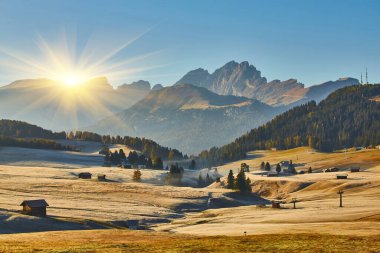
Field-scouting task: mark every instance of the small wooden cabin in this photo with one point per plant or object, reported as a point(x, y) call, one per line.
point(85, 175)
point(355, 169)
point(101, 177)
point(34, 207)
point(276, 204)
point(341, 176)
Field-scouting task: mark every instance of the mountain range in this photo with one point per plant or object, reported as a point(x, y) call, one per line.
point(243, 79)
point(188, 118)
point(54, 106)
point(198, 112)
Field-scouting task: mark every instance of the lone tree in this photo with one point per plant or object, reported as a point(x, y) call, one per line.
point(291, 168)
point(200, 180)
point(278, 168)
point(230, 180)
point(267, 166)
point(244, 167)
point(262, 166)
point(137, 176)
point(310, 170)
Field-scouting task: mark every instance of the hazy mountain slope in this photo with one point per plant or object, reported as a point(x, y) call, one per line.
point(243, 79)
point(188, 118)
point(52, 105)
point(347, 117)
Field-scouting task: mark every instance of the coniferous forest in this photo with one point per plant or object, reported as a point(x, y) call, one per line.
point(22, 134)
point(346, 118)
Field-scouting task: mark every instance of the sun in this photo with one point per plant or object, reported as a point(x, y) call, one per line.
point(72, 80)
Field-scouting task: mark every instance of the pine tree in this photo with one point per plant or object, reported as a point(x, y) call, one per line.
point(278, 168)
point(248, 183)
point(267, 166)
point(241, 183)
point(262, 166)
point(244, 167)
point(310, 170)
point(200, 180)
point(230, 180)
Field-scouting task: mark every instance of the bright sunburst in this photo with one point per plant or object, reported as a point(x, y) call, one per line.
point(71, 65)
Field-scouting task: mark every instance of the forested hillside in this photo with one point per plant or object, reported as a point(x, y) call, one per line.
point(147, 147)
point(19, 129)
point(346, 118)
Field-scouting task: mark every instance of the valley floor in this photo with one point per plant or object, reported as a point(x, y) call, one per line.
point(89, 215)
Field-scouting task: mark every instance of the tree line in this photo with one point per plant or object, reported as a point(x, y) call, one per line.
point(147, 147)
point(13, 131)
point(19, 129)
point(348, 117)
point(32, 143)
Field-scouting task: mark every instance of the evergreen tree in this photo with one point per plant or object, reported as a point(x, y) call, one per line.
point(262, 166)
point(244, 167)
point(291, 168)
point(241, 182)
point(230, 180)
point(267, 166)
point(157, 163)
point(200, 180)
point(310, 170)
point(278, 168)
point(248, 184)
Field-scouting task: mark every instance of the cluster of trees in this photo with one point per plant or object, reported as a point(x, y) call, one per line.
point(240, 183)
point(147, 147)
point(117, 157)
point(175, 174)
point(267, 167)
point(19, 129)
point(32, 143)
point(203, 182)
point(346, 118)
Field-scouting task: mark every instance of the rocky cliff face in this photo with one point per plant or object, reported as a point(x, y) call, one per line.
point(243, 79)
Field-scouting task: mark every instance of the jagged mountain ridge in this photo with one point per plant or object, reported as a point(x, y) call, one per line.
point(243, 79)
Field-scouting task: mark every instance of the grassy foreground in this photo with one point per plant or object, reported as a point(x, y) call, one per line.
point(132, 241)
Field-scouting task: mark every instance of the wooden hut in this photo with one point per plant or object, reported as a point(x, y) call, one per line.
point(101, 177)
point(341, 176)
point(355, 169)
point(276, 204)
point(34, 207)
point(85, 175)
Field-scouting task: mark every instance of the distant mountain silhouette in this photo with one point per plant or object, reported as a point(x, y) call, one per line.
point(188, 118)
point(54, 106)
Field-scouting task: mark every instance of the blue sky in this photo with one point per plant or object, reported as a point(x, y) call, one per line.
point(312, 41)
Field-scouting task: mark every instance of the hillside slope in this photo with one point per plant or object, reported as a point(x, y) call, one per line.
point(188, 118)
point(348, 117)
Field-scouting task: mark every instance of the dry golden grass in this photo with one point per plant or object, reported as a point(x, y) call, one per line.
point(139, 241)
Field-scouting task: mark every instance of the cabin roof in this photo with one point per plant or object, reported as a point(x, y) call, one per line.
point(35, 203)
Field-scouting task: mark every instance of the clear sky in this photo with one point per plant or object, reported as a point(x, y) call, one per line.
point(312, 41)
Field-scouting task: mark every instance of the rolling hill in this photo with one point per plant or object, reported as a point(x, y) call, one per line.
point(188, 118)
point(52, 105)
point(346, 118)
